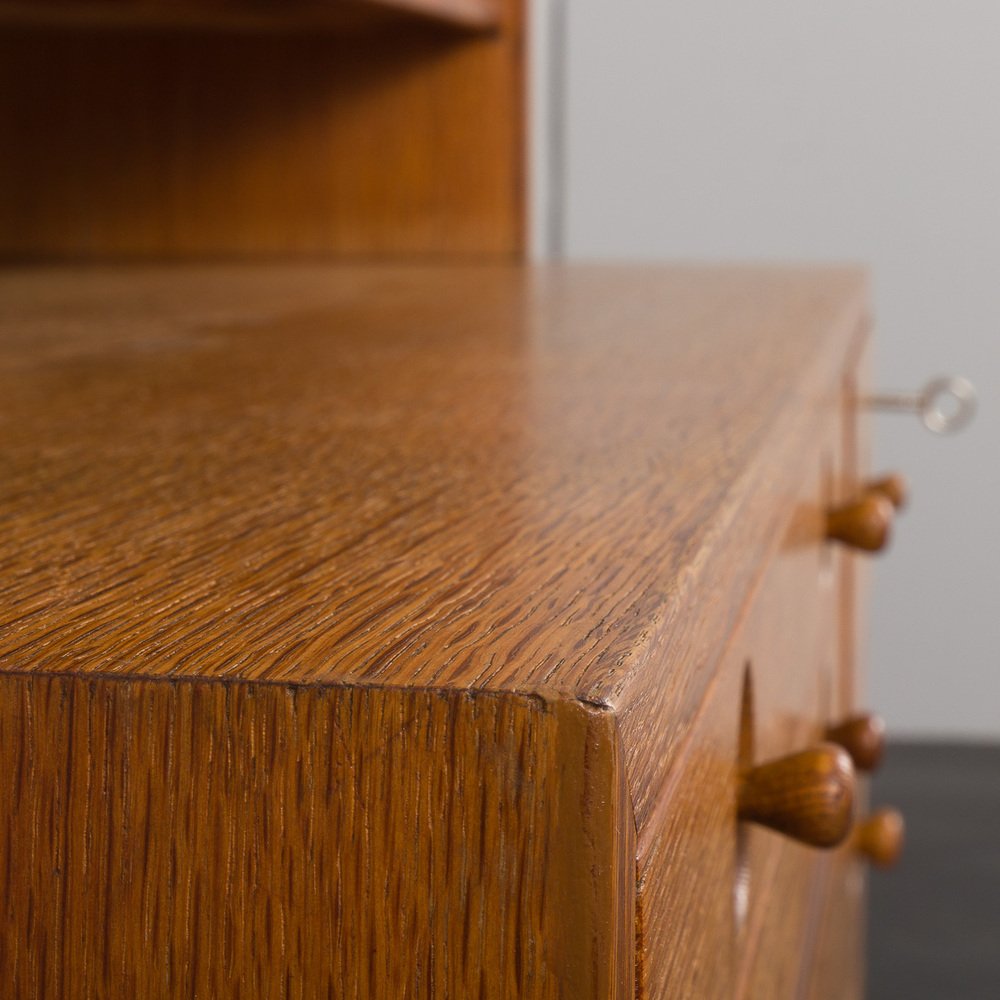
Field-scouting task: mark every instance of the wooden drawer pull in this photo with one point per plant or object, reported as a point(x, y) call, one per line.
point(880, 838)
point(893, 487)
point(808, 796)
point(863, 737)
point(865, 524)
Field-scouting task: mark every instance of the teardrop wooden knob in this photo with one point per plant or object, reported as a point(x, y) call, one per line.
point(863, 737)
point(893, 487)
point(865, 524)
point(880, 838)
point(808, 796)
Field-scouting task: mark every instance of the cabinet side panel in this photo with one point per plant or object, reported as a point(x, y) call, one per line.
point(835, 966)
point(168, 840)
point(854, 570)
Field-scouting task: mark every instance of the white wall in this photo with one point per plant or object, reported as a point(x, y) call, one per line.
point(799, 130)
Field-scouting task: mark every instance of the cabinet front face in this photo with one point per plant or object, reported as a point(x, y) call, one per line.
point(734, 909)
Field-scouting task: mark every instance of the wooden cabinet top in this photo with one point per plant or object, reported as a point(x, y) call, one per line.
point(483, 477)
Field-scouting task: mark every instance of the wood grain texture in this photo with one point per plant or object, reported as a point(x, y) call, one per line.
point(778, 953)
point(808, 795)
point(397, 137)
point(226, 840)
point(432, 494)
point(731, 940)
point(796, 641)
point(318, 460)
point(801, 907)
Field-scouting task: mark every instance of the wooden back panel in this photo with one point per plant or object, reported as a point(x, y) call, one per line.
point(384, 135)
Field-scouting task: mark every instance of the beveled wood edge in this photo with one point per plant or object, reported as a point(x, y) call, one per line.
point(807, 795)
point(818, 381)
point(593, 885)
point(858, 320)
point(548, 698)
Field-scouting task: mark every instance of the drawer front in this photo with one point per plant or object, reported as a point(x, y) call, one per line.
point(833, 962)
point(832, 965)
point(797, 892)
point(730, 909)
point(723, 907)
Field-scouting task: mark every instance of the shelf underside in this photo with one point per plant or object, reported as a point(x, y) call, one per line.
point(253, 15)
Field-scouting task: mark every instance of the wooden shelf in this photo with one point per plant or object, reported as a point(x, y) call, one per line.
point(253, 15)
point(316, 455)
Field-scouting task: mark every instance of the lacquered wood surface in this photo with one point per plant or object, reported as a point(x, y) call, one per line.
point(428, 493)
point(474, 479)
point(226, 841)
point(745, 936)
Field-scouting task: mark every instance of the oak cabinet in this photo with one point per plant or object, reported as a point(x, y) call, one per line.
point(383, 616)
point(415, 630)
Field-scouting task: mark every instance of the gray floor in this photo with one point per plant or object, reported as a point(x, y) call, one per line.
point(934, 924)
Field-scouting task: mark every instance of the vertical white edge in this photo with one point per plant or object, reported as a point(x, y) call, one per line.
point(545, 115)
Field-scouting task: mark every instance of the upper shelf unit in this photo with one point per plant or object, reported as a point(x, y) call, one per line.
point(393, 128)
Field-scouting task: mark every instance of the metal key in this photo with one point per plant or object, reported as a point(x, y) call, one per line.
point(945, 405)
